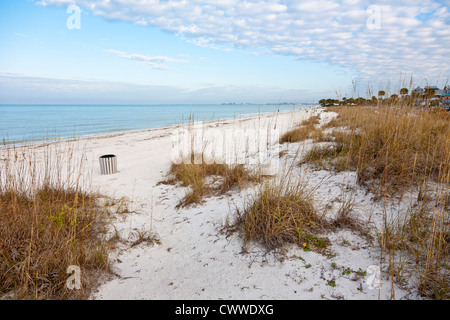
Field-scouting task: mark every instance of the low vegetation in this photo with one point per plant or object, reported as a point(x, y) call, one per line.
point(222, 178)
point(47, 223)
point(282, 214)
point(391, 149)
point(307, 130)
point(398, 151)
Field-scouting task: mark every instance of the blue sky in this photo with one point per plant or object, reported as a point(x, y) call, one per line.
point(177, 51)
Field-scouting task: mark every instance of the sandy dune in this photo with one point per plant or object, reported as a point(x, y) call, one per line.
point(194, 259)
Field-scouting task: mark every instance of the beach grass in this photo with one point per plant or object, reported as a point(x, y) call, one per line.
point(51, 220)
point(390, 148)
point(48, 223)
point(222, 178)
point(400, 151)
point(281, 214)
point(308, 129)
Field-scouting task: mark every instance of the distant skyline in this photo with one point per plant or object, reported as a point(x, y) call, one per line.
point(260, 51)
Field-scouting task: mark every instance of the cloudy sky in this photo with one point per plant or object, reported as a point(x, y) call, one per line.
point(178, 51)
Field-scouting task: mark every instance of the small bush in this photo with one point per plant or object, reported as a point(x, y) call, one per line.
point(279, 215)
point(307, 130)
point(193, 175)
point(393, 150)
point(45, 227)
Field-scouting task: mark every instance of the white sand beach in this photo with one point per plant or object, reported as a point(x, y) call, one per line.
point(195, 259)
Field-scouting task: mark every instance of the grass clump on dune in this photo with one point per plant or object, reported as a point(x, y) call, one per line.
point(45, 227)
point(306, 130)
point(195, 176)
point(280, 214)
point(397, 147)
point(395, 151)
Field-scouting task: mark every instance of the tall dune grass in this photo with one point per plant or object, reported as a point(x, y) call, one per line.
point(307, 130)
point(399, 150)
point(394, 148)
point(205, 175)
point(194, 176)
point(49, 220)
point(282, 213)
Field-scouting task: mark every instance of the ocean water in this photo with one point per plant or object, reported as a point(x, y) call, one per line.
point(37, 123)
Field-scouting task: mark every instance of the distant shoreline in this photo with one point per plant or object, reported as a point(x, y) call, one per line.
point(4, 143)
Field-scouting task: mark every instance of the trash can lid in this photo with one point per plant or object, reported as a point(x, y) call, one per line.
point(108, 156)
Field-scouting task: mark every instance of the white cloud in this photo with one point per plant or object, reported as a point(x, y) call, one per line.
point(21, 89)
point(22, 35)
point(414, 37)
point(155, 62)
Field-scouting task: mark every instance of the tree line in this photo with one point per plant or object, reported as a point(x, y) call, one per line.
point(403, 94)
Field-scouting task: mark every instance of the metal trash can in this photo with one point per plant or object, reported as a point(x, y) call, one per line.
point(108, 164)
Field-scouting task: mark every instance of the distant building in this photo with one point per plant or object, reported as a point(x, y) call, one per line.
point(445, 99)
point(419, 91)
point(437, 92)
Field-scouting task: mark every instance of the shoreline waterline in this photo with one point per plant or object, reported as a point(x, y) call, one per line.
point(6, 143)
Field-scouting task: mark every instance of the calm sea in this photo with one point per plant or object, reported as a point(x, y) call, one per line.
point(35, 123)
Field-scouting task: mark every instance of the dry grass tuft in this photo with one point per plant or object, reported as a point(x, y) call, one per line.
point(397, 150)
point(282, 214)
point(328, 156)
point(46, 226)
point(397, 147)
point(194, 175)
point(311, 121)
point(307, 130)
